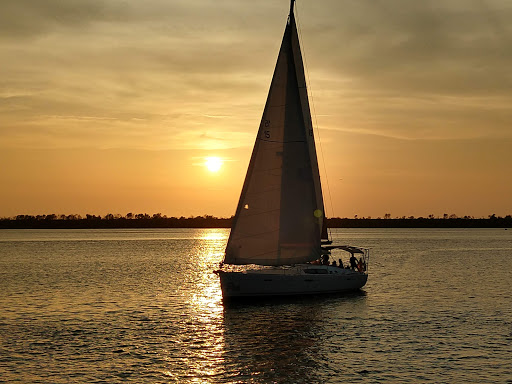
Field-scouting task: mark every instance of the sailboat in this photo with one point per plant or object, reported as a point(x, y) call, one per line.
point(279, 243)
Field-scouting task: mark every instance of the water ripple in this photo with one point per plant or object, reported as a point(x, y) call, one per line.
point(143, 306)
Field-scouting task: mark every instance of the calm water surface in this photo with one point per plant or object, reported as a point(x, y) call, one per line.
point(143, 306)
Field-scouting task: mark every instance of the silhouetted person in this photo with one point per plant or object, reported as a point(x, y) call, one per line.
point(353, 262)
point(325, 259)
point(340, 263)
point(334, 263)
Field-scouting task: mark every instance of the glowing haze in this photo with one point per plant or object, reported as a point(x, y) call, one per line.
point(115, 106)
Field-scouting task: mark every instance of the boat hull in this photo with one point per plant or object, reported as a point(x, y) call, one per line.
point(301, 281)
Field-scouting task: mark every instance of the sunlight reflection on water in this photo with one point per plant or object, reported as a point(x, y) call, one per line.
point(207, 296)
point(144, 306)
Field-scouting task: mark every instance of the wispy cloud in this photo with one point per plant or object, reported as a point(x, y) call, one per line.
point(404, 69)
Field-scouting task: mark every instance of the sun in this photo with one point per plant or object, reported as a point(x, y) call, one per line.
point(213, 164)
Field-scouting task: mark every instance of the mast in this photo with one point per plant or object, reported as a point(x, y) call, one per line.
point(291, 7)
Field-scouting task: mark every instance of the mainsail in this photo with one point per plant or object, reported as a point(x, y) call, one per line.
point(280, 216)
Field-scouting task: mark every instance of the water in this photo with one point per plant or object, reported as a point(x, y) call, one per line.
point(142, 306)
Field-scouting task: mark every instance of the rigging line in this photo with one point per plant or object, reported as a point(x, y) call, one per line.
point(310, 93)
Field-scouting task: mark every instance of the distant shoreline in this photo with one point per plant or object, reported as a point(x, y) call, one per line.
point(97, 222)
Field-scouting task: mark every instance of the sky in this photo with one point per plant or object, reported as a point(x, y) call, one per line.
point(113, 106)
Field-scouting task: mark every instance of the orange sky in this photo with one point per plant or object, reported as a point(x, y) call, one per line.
point(108, 106)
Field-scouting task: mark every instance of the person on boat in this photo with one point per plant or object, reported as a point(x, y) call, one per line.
point(353, 262)
point(325, 259)
point(334, 263)
point(340, 263)
point(360, 265)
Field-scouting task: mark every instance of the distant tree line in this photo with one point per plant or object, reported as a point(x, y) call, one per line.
point(157, 220)
point(139, 220)
point(451, 221)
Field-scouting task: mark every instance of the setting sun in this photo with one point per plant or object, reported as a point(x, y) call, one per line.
point(213, 163)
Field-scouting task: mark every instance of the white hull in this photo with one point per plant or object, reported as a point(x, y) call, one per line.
point(300, 280)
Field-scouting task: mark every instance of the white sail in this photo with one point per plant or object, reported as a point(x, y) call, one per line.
point(279, 217)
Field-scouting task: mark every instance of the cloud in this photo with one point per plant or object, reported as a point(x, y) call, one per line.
point(27, 18)
point(400, 69)
point(32, 18)
point(423, 46)
point(413, 70)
